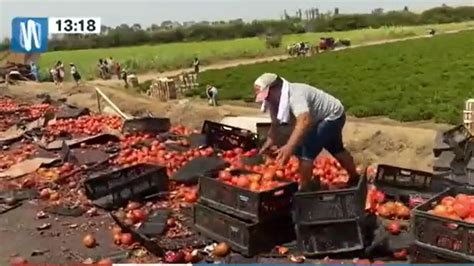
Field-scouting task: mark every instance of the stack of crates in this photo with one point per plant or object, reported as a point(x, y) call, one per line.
point(454, 159)
point(330, 222)
point(468, 115)
point(440, 239)
point(250, 222)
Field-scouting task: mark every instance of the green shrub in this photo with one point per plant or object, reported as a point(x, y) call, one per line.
point(273, 41)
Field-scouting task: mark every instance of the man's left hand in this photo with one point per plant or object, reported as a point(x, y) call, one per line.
point(284, 153)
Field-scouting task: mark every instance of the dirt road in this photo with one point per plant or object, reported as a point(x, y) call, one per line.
point(250, 61)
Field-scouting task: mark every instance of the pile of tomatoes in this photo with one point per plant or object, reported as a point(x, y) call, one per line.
point(460, 207)
point(14, 156)
point(31, 111)
point(328, 169)
point(252, 181)
point(12, 113)
point(142, 148)
point(37, 110)
point(331, 173)
point(7, 105)
point(182, 130)
point(85, 125)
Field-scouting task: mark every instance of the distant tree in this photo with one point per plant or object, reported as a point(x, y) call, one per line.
point(377, 11)
point(166, 24)
point(273, 41)
point(136, 27)
point(405, 9)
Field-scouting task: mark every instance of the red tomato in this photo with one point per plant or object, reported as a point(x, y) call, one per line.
point(462, 209)
point(138, 215)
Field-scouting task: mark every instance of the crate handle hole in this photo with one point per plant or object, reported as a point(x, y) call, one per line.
point(279, 192)
point(405, 172)
point(451, 226)
point(327, 197)
point(243, 198)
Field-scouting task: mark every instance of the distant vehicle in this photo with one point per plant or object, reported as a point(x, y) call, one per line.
point(299, 49)
point(330, 43)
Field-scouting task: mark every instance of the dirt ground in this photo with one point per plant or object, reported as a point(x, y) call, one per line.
point(371, 140)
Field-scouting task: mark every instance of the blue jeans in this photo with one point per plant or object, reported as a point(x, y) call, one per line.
point(325, 134)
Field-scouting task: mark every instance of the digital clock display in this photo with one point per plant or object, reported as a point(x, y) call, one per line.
point(74, 25)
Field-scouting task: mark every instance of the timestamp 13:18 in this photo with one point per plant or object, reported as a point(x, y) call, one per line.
point(74, 25)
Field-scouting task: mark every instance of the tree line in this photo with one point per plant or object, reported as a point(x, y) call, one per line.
point(311, 21)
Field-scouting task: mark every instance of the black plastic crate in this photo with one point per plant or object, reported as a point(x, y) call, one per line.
point(459, 139)
point(455, 180)
point(403, 178)
point(127, 182)
point(440, 145)
point(284, 132)
point(248, 238)
point(152, 125)
point(331, 237)
point(246, 204)
point(444, 162)
point(327, 205)
point(425, 254)
point(454, 237)
point(402, 183)
point(457, 135)
point(225, 137)
point(470, 172)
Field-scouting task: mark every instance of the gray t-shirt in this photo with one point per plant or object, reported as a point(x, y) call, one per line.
point(321, 105)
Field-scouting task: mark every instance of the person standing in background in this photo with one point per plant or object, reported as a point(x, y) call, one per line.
point(211, 92)
point(34, 71)
point(75, 74)
point(196, 65)
point(111, 65)
point(60, 72)
point(118, 69)
point(100, 67)
point(124, 76)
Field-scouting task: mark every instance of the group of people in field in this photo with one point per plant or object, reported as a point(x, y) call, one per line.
point(109, 67)
point(57, 73)
point(106, 69)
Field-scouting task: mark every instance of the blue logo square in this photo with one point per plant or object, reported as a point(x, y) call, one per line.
point(29, 35)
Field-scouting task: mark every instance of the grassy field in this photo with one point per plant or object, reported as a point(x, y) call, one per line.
point(178, 55)
point(411, 80)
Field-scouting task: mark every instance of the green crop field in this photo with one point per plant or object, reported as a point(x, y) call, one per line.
point(178, 55)
point(420, 79)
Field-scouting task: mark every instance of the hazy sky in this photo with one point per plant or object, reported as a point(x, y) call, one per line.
point(146, 12)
